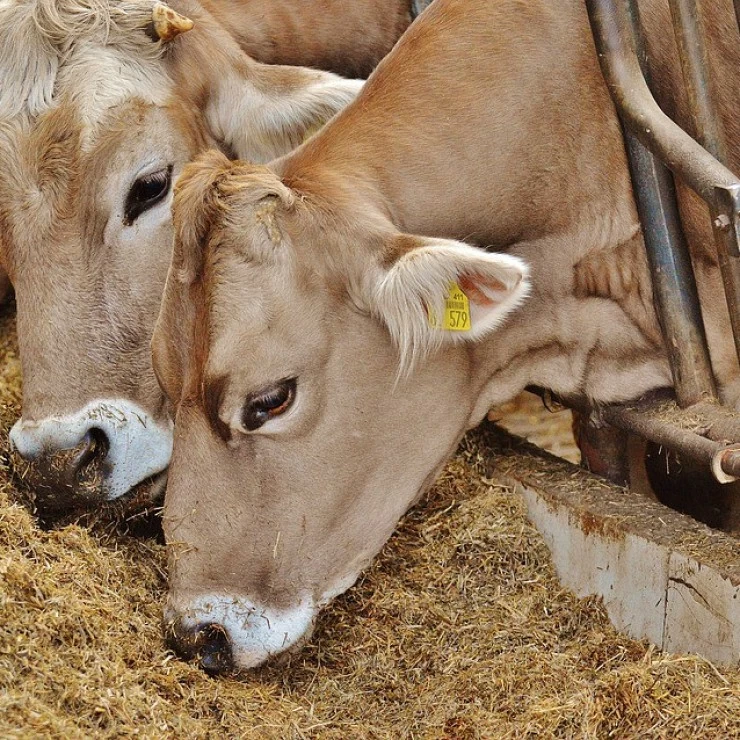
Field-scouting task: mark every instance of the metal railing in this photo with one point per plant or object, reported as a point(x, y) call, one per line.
point(698, 426)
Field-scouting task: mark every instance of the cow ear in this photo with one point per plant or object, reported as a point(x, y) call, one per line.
point(256, 112)
point(266, 111)
point(435, 291)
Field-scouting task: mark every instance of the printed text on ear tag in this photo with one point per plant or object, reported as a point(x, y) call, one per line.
point(456, 314)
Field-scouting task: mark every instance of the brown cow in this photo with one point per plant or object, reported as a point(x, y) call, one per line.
point(101, 104)
point(325, 359)
point(348, 38)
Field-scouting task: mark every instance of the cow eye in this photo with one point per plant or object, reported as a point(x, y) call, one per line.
point(268, 403)
point(146, 192)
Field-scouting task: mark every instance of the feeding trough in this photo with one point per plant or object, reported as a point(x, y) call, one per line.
point(662, 576)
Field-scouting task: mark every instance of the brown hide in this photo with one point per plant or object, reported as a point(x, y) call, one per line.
point(349, 38)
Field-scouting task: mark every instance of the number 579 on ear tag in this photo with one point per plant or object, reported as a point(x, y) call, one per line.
point(456, 313)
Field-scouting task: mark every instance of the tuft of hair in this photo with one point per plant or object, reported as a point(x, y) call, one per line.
point(420, 280)
point(195, 197)
point(37, 37)
point(209, 189)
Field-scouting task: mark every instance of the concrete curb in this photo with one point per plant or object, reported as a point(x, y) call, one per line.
point(662, 576)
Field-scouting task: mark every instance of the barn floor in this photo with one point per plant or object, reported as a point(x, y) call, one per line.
point(459, 630)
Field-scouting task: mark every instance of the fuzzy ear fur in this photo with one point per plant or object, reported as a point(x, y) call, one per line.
point(267, 111)
point(255, 112)
point(415, 287)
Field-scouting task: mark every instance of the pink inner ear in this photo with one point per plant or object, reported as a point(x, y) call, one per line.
point(469, 285)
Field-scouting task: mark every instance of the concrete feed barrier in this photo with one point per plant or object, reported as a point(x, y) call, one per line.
point(662, 576)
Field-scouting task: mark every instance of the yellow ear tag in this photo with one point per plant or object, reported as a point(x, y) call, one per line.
point(456, 315)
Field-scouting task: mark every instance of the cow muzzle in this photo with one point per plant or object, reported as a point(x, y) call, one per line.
point(227, 634)
point(86, 460)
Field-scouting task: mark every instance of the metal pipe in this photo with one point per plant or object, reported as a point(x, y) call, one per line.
point(418, 7)
point(674, 287)
point(693, 52)
point(676, 298)
point(723, 460)
point(694, 56)
point(610, 21)
point(705, 433)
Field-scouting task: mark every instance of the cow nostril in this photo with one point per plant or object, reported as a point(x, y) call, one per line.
point(214, 649)
point(65, 479)
point(85, 453)
point(93, 449)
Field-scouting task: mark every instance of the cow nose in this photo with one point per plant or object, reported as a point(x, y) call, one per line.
point(231, 632)
point(95, 455)
point(209, 643)
point(66, 479)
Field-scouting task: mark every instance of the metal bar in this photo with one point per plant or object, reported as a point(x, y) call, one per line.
point(674, 287)
point(726, 227)
point(693, 52)
point(722, 459)
point(676, 298)
point(705, 433)
point(610, 21)
point(418, 7)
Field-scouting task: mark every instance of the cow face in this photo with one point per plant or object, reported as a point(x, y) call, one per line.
point(101, 105)
point(314, 400)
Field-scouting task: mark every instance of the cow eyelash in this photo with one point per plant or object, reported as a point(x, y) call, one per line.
point(268, 404)
point(146, 192)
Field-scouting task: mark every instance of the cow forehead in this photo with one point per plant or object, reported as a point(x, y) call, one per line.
point(94, 48)
point(92, 83)
point(97, 80)
point(262, 320)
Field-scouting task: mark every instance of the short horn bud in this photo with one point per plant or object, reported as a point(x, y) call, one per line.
point(168, 24)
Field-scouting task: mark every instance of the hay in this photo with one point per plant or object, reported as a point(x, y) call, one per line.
point(459, 630)
point(549, 427)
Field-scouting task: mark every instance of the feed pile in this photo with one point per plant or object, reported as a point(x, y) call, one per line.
point(458, 630)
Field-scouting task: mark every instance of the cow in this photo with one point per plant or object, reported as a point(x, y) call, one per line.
point(348, 38)
point(330, 326)
point(101, 104)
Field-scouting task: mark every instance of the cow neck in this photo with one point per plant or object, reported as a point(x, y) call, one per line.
point(371, 173)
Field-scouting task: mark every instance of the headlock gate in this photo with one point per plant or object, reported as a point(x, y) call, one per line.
point(661, 575)
point(695, 425)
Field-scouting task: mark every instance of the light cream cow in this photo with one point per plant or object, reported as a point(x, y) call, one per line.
point(327, 338)
point(101, 104)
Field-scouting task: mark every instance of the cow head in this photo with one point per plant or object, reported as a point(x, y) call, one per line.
point(101, 104)
point(315, 401)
